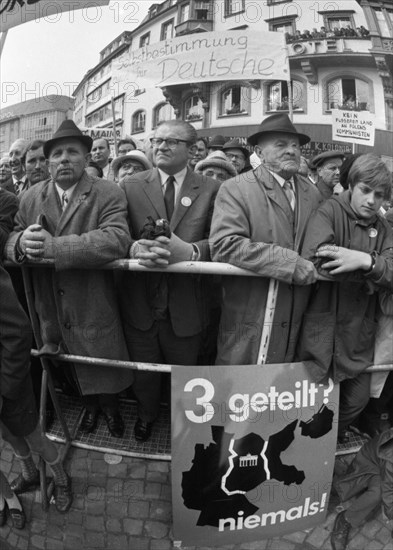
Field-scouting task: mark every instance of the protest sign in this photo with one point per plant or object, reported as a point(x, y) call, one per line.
point(16, 12)
point(207, 57)
point(353, 126)
point(252, 452)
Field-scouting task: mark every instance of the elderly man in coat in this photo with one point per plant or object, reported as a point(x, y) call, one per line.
point(80, 223)
point(258, 224)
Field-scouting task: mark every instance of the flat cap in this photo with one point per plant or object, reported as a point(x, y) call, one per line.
point(321, 158)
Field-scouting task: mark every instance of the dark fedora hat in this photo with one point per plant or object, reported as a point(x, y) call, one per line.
point(277, 123)
point(236, 144)
point(67, 129)
point(217, 141)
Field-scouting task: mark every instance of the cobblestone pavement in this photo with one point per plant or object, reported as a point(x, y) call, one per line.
point(128, 506)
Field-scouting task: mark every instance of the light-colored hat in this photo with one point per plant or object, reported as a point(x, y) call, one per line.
point(218, 159)
point(131, 155)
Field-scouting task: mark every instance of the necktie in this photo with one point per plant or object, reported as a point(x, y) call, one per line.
point(169, 196)
point(64, 200)
point(17, 187)
point(288, 190)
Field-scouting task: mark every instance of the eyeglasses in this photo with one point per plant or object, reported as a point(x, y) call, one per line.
point(170, 142)
point(234, 156)
point(131, 167)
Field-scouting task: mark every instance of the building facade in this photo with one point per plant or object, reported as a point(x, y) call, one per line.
point(340, 57)
point(33, 119)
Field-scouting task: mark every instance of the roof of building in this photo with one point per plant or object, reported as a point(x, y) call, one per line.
point(40, 104)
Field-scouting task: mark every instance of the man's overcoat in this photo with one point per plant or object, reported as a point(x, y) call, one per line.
point(254, 228)
point(77, 306)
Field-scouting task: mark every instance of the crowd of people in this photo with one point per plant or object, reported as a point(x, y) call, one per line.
point(321, 227)
point(323, 32)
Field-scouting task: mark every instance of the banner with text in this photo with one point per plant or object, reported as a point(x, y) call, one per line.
point(206, 57)
point(252, 452)
point(17, 12)
point(353, 126)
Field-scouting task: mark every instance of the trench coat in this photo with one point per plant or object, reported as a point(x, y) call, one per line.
point(339, 327)
point(253, 227)
point(77, 307)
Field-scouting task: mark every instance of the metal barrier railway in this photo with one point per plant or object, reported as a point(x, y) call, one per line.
point(196, 268)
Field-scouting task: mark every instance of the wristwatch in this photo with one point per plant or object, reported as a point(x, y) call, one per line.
point(195, 254)
point(373, 255)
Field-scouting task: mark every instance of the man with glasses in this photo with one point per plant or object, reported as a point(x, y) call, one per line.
point(164, 314)
point(237, 155)
point(130, 163)
point(328, 173)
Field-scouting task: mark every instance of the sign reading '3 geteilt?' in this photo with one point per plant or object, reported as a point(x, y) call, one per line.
point(252, 452)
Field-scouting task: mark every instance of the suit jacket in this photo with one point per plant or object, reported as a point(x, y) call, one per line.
point(190, 221)
point(253, 227)
point(77, 307)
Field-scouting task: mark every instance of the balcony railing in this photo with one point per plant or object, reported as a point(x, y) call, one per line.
point(194, 25)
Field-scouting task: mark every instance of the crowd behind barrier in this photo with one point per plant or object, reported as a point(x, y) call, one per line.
point(162, 315)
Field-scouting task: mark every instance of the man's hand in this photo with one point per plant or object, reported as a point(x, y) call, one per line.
point(162, 251)
point(343, 260)
point(305, 272)
point(151, 253)
point(36, 243)
point(180, 251)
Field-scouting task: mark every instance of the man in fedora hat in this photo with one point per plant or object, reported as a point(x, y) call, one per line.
point(328, 166)
point(216, 143)
point(78, 222)
point(258, 223)
point(237, 155)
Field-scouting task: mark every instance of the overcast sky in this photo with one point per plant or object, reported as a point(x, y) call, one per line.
point(48, 57)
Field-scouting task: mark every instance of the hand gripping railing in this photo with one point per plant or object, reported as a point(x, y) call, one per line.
point(196, 268)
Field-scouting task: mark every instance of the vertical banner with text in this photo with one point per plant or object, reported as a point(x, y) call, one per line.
point(253, 452)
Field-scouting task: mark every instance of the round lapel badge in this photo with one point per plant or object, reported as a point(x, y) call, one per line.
point(372, 233)
point(186, 201)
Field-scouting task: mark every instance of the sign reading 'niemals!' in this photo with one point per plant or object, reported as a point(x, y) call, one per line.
point(206, 57)
point(252, 452)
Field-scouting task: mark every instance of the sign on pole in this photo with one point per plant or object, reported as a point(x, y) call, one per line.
point(17, 12)
point(353, 126)
point(252, 452)
point(206, 57)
